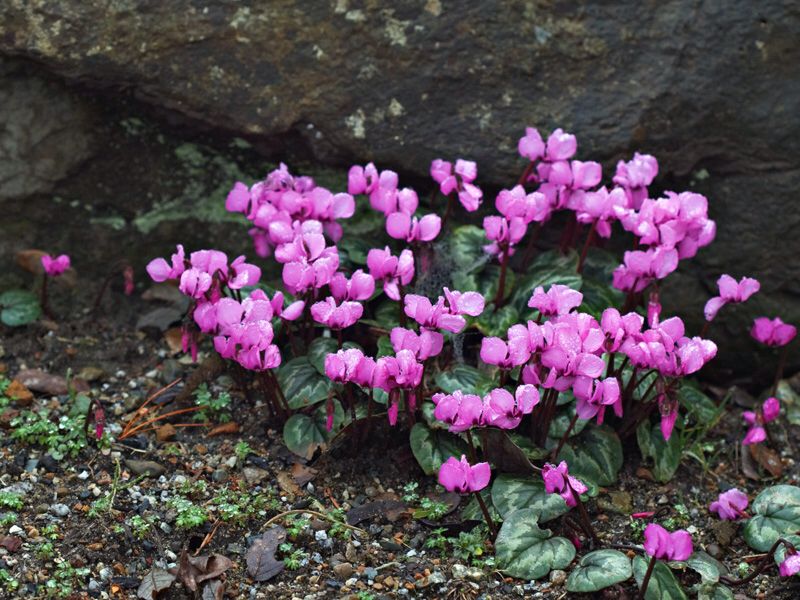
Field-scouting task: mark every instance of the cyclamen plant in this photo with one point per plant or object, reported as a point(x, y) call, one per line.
point(566, 355)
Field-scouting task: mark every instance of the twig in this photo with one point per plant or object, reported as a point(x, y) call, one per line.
point(209, 536)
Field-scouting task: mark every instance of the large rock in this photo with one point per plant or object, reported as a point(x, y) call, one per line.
point(710, 88)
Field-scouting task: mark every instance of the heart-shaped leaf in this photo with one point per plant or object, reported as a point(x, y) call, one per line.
point(707, 591)
point(707, 566)
point(304, 434)
point(526, 551)
point(19, 307)
point(560, 423)
point(511, 493)
point(666, 455)
point(662, 586)
point(431, 447)
point(466, 248)
point(594, 456)
point(496, 322)
point(776, 513)
point(302, 383)
point(465, 378)
point(260, 557)
point(598, 570)
point(697, 404)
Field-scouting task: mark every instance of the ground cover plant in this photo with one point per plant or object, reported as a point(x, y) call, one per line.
point(523, 374)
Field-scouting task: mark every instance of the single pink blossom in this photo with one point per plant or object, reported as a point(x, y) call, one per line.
point(54, 267)
point(730, 291)
point(594, 396)
point(160, 270)
point(495, 351)
point(635, 175)
point(506, 411)
point(558, 480)
point(773, 332)
point(460, 411)
point(790, 565)
point(336, 316)
point(660, 543)
point(402, 226)
point(195, 283)
point(394, 271)
point(424, 344)
point(360, 286)
point(462, 478)
point(730, 505)
point(531, 145)
point(559, 300)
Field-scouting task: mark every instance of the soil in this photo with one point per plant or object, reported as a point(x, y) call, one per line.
point(385, 557)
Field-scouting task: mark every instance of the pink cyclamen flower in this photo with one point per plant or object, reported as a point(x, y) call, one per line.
point(359, 287)
point(336, 316)
point(660, 543)
point(558, 480)
point(394, 271)
point(160, 270)
point(195, 283)
point(730, 505)
point(594, 396)
point(433, 316)
point(460, 411)
point(462, 478)
point(506, 411)
point(559, 300)
point(459, 180)
point(773, 332)
point(349, 366)
point(730, 291)
point(790, 565)
point(402, 226)
point(531, 145)
point(769, 411)
point(55, 266)
point(495, 351)
point(635, 175)
point(424, 344)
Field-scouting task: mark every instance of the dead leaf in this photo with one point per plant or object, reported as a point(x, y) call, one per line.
point(11, 543)
point(31, 260)
point(17, 391)
point(174, 338)
point(214, 590)
point(302, 474)
point(46, 383)
point(645, 473)
point(391, 509)
point(225, 428)
point(288, 485)
point(197, 569)
point(261, 563)
point(155, 582)
point(165, 432)
point(748, 466)
point(767, 458)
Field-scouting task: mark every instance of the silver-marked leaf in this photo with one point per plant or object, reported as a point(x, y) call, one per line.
point(598, 570)
point(472, 511)
point(709, 591)
point(302, 383)
point(432, 447)
point(666, 455)
point(776, 513)
point(495, 323)
point(780, 551)
point(662, 586)
point(561, 421)
point(594, 456)
point(511, 493)
point(466, 248)
point(707, 566)
point(304, 434)
point(465, 378)
point(697, 404)
point(526, 551)
point(546, 269)
point(19, 307)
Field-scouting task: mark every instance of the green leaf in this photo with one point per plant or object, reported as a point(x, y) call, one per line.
point(466, 248)
point(302, 383)
point(707, 566)
point(599, 296)
point(357, 248)
point(465, 378)
point(363, 221)
point(776, 513)
point(666, 455)
point(496, 322)
point(598, 570)
point(387, 315)
point(790, 400)
point(432, 447)
point(304, 434)
point(385, 347)
point(662, 586)
point(526, 551)
point(488, 280)
point(714, 592)
point(780, 552)
point(594, 456)
point(548, 268)
point(510, 493)
point(19, 307)
point(697, 404)
point(561, 421)
point(472, 511)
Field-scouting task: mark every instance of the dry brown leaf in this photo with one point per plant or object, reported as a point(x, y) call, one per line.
point(165, 432)
point(288, 485)
point(767, 458)
point(17, 391)
point(154, 582)
point(31, 260)
point(11, 543)
point(174, 338)
point(302, 474)
point(261, 563)
point(225, 428)
point(197, 569)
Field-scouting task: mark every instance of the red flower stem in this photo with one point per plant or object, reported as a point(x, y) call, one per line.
point(292, 341)
point(534, 237)
point(779, 371)
point(448, 210)
point(473, 457)
point(501, 283)
point(647, 575)
point(610, 367)
point(486, 515)
point(339, 339)
point(584, 516)
point(587, 243)
point(43, 298)
point(278, 388)
point(704, 330)
point(402, 304)
point(565, 437)
point(525, 174)
point(766, 560)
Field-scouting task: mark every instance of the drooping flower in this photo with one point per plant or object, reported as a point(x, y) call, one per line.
point(394, 271)
point(424, 344)
point(595, 395)
point(730, 291)
point(773, 332)
point(195, 283)
point(769, 411)
point(635, 175)
point(558, 480)
point(790, 565)
point(441, 315)
point(54, 267)
point(495, 351)
point(350, 365)
point(730, 505)
point(360, 286)
point(660, 543)
point(462, 478)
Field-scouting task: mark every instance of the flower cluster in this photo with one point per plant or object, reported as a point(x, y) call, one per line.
point(499, 408)
point(460, 180)
point(757, 420)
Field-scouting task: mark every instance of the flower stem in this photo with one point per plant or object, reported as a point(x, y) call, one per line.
point(43, 298)
point(473, 457)
point(587, 522)
point(564, 437)
point(589, 240)
point(486, 515)
point(448, 210)
point(402, 304)
point(766, 561)
point(647, 576)
point(779, 371)
point(501, 283)
point(524, 177)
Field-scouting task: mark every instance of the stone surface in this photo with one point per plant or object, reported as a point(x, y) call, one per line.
point(712, 89)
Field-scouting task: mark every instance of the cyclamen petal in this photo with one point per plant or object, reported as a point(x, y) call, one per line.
point(659, 543)
point(730, 505)
point(462, 478)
